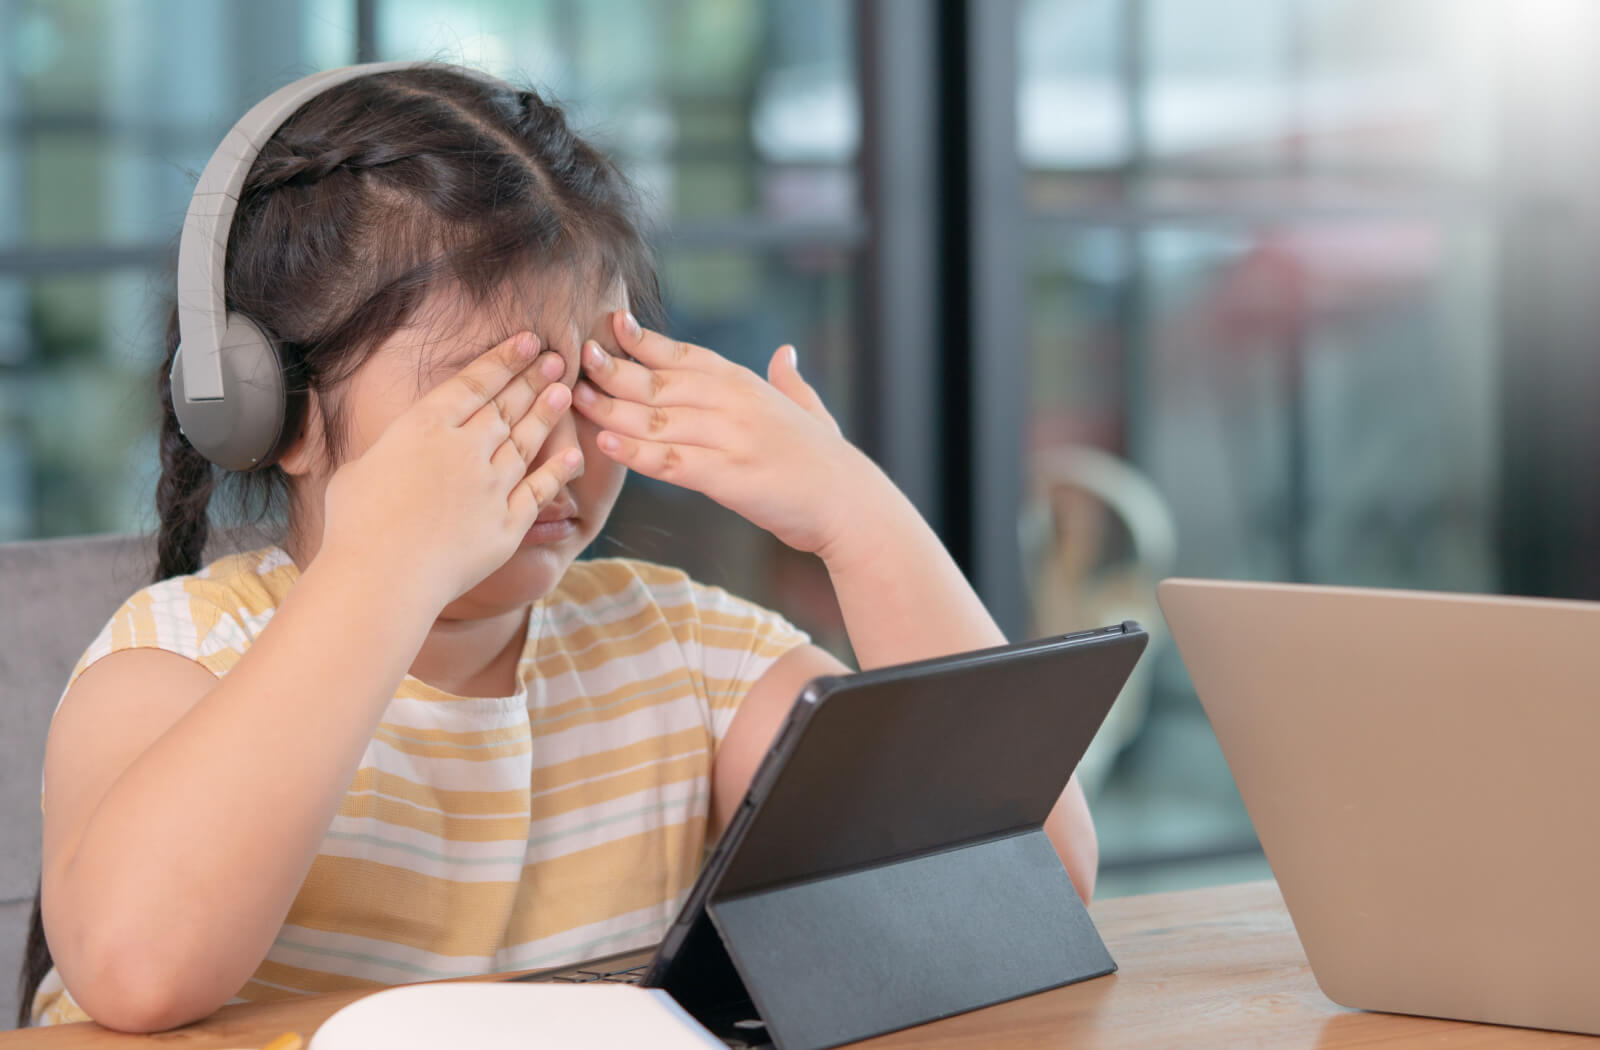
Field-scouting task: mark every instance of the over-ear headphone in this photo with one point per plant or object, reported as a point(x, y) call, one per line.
point(228, 386)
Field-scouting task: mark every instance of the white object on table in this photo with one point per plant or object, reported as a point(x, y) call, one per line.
point(490, 1016)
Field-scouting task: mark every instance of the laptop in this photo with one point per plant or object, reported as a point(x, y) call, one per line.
point(888, 864)
point(1421, 770)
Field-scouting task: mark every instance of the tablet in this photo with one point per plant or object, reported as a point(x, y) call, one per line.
point(892, 838)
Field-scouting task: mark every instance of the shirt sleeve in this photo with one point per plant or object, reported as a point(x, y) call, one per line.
point(728, 643)
point(180, 616)
point(738, 642)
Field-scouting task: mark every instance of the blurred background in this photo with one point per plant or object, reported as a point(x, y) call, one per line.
point(1276, 289)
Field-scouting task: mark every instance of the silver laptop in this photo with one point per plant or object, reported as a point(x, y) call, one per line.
point(1423, 771)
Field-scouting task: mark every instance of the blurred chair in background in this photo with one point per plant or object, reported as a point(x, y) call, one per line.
point(1096, 537)
point(55, 596)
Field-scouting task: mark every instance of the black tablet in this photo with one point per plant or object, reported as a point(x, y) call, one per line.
point(888, 864)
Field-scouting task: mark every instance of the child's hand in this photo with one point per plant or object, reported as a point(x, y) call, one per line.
point(445, 493)
point(767, 450)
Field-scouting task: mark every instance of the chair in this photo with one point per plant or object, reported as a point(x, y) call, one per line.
point(1096, 536)
point(55, 595)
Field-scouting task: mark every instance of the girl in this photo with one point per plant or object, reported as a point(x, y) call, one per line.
point(415, 738)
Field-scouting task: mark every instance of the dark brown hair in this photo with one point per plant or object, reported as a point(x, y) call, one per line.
point(373, 196)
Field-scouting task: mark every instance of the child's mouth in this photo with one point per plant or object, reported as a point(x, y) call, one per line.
point(551, 530)
point(557, 520)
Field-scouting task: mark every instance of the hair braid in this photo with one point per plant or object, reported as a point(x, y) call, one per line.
point(301, 164)
point(183, 494)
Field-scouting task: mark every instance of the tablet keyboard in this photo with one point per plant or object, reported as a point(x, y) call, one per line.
point(631, 975)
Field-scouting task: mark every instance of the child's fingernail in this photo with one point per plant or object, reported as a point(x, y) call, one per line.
point(794, 359)
point(608, 442)
point(595, 356)
point(631, 323)
point(573, 459)
point(527, 344)
point(552, 366)
point(583, 393)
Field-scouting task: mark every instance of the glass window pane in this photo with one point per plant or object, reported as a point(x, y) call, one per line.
point(1320, 401)
point(109, 110)
point(77, 402)
point(1219, 97)
point(1400, 86)
point(1072, 107)
point(763, 121)
point(1078, 328)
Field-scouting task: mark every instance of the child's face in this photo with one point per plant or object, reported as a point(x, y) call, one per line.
point(417, 358)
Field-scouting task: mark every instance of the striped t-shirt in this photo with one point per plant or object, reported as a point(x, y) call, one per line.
point(559, 823)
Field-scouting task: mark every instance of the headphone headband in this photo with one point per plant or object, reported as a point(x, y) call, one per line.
point(203, 249)
point(228, 388)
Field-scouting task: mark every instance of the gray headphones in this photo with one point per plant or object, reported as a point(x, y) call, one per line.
point(228, 387)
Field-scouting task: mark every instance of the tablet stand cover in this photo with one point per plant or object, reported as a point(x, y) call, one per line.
point(836, 959)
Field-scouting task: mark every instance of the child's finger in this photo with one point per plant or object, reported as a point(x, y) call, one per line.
point(529, 433)
point(535, 491)
point(622, 377)
point(632, 381)
point(519, 397)
point(656, 350)
point(783, 372)
point(680, 424)
point(683, 465)
point(457, 398)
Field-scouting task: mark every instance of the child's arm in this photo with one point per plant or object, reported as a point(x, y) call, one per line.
point(771, 452)
point(183, 811)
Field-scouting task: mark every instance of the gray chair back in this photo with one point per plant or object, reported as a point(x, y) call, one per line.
point(55, 595)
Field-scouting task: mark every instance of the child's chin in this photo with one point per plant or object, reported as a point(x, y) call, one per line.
point(532, 572)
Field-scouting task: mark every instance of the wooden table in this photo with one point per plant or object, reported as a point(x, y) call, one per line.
point(1204, 968)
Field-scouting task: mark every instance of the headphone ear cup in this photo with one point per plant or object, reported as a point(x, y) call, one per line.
point(245, 428)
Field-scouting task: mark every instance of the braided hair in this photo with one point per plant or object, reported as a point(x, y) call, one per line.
point(372, 196)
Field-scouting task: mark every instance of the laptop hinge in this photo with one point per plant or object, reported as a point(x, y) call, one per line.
point(840, 958)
